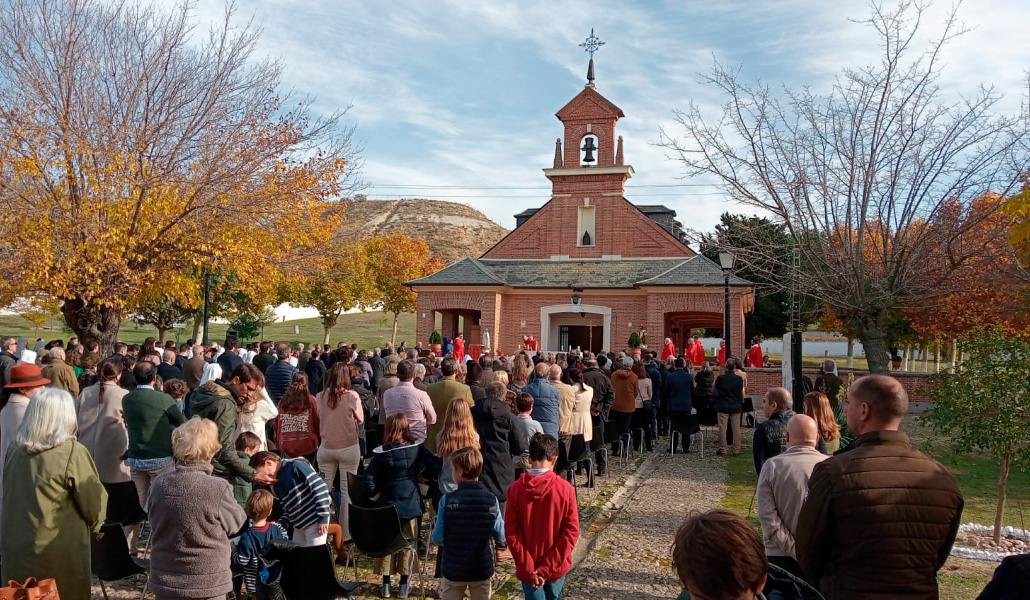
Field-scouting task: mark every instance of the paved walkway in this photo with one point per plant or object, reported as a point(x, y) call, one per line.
point(627, 553)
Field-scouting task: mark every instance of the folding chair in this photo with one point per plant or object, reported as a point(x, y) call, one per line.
point(110, 559)
point(308, 572)
point(376, 532)
point(579, 451)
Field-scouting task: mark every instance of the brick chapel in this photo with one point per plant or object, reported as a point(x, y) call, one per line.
point(587, 268)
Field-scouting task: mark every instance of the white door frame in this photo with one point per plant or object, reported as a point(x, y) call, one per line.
point(547, 311)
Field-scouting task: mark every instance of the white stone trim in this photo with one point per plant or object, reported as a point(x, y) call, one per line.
point(547, 311)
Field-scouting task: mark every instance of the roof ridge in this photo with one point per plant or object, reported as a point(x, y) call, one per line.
point(667, 271)
point(486, 270)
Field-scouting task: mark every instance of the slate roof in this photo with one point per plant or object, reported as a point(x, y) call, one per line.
point(623, 273)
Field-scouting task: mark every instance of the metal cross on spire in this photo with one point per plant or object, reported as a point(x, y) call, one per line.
point(591, 44)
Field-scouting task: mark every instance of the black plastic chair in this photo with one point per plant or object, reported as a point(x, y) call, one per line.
point(110, 559)
point(579, 451)
point(376, 533)
point(123, 504)
point(356, 492)
point(308, 572)
point(598, 444)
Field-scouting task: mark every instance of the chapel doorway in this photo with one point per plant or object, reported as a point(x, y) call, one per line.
point(585, 337)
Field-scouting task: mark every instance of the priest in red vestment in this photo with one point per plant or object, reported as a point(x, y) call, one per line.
point(697, 352)
point(459, 348)
point(721, 358)
point(754, 354)
point(531, 343)
point(669, 350)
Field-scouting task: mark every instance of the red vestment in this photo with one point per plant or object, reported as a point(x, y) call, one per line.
point(721, 359)
point(754, 357)
point(697, 353)
point(669, 350)
point(459, 350)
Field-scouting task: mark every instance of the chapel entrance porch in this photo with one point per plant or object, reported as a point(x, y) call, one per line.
point(678, 325)
point(451, 322)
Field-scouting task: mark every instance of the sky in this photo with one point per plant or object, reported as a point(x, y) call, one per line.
point(455, 99)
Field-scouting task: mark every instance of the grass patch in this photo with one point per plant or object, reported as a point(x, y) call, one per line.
point(741, 480)
point(367, 330)
point(977, 477)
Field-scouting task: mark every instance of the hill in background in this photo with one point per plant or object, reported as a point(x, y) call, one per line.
point(453, 231)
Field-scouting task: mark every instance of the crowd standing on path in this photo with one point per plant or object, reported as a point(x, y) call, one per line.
point(477, 441)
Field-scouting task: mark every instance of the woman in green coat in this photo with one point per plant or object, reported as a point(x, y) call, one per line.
point(53, 499)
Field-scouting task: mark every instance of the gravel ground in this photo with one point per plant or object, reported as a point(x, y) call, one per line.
point(626, 553)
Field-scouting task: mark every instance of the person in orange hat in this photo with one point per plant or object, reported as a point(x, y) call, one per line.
point(24, 382)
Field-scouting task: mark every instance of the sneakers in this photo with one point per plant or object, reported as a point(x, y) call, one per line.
point(403, 590)
point(384, 590)
point(721, 452)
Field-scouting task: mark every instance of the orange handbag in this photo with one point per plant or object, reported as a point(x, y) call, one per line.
point(30, 590)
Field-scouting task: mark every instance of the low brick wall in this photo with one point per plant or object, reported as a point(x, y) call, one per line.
point(759, 380)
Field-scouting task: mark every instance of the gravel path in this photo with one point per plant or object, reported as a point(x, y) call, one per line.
point(626, 553)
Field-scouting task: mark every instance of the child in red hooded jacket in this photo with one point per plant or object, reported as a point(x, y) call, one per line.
point(542, 544)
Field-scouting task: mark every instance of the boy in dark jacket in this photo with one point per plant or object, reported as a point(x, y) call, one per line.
point(541, 523)
point(247, 445)
point(259, 577)
point(466, 522)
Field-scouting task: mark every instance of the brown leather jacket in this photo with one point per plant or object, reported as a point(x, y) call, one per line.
point(879, 521)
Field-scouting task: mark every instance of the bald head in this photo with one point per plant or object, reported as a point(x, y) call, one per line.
point(802, 431)
point(541, 369)
point(876, 403)
point(555, 373)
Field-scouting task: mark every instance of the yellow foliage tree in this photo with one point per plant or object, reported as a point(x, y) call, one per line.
point(132, 155)
point(396, 259)
point(342, 282)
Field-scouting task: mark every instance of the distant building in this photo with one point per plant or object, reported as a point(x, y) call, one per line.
point(587, 268)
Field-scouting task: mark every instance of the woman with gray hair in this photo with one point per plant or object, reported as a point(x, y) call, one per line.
point(53, 499)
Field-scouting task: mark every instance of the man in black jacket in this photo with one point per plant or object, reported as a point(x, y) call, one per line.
point(264, 358)
point(771, 435)
point(7, 359)
point(604, 395)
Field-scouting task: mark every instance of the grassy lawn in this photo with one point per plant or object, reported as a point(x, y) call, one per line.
point(960, 579)
point(365, 329)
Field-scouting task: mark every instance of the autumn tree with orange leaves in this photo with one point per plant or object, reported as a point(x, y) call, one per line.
point(135, 151)
point(875, 181)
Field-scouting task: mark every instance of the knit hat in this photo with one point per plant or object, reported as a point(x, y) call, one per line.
point(26, 376)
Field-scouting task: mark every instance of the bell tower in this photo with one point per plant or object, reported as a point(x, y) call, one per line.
point(592, 152)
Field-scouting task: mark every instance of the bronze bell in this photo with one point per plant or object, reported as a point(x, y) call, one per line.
point(589, 148)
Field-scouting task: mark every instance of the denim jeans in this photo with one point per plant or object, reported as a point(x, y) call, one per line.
point(550, 591)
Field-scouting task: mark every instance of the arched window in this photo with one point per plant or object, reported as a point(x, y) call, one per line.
point(585, 231)
point(588, 150)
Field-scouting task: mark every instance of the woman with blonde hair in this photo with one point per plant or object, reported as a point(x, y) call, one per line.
point(519, 374)
point(817, 406)
point(459, 431)
point(192, 514)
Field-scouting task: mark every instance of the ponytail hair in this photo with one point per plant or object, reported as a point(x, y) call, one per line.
point(109, 370)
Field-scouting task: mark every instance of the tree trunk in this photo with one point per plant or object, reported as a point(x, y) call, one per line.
point(926, 358)
point(874, 342)
point(198, 327)
point(999, 513)
point(937, 357)
point(906, 353)
point(93, 323)
point(162, 333)
point(952, 352)
point(393, 338)
point(850, 362)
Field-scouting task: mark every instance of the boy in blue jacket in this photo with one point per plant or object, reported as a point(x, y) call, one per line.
point(467, 520)
point(259, 577)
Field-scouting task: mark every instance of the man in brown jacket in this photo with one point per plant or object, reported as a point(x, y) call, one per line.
point(624, 383)
point(881, 516)
point(60, 373)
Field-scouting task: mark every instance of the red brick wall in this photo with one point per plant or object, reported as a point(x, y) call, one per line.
point(759, 380)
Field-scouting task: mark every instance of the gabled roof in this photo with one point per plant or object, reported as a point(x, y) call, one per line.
point(575, 108)
point(467, 271)
point(594, 274)
point(696, 268)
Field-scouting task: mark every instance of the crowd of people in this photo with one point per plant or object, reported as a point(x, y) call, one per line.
point(228, 449)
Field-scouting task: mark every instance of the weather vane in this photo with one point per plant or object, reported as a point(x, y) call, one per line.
point(591, 44)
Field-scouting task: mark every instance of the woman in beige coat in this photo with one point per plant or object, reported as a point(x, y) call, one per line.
point(581, 424)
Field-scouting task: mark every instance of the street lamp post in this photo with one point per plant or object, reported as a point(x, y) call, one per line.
point(726, 260)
